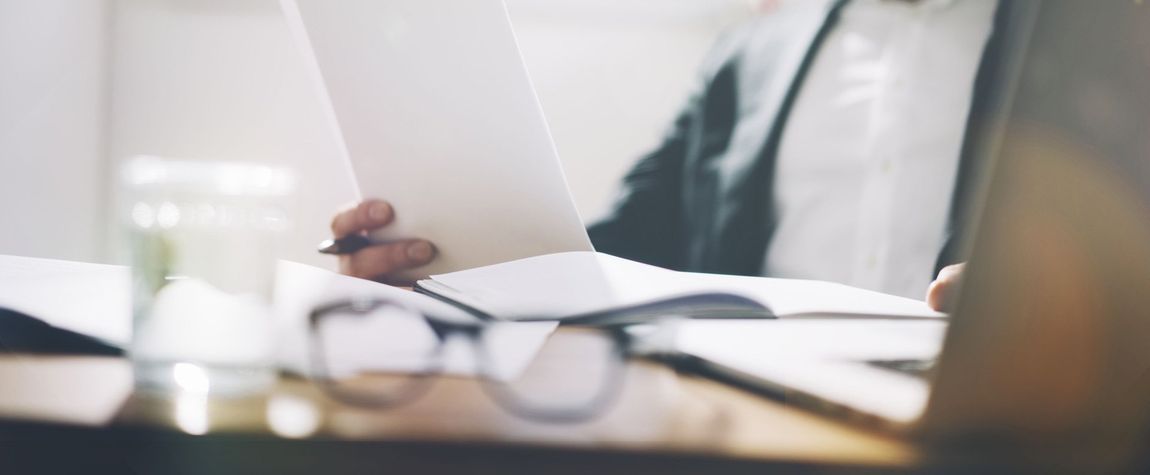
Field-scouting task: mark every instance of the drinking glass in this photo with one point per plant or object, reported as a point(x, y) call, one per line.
point(202, 237)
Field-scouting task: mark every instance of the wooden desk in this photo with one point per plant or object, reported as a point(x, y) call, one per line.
point(663, 421)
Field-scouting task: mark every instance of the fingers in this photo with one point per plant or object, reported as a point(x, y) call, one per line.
point(943, 291)
point(381, 261)
point(365, 216)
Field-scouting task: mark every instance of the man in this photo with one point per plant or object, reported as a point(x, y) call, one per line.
point(826, 142)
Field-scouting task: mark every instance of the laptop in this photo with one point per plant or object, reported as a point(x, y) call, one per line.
point(1050, 340)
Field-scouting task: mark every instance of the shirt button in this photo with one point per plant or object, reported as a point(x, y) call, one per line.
point(871, 262)
point(887, 166)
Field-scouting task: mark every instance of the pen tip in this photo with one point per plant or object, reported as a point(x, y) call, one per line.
point(328, 246)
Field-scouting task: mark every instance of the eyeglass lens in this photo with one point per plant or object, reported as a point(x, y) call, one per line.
point(378, 355)
point(575, 373)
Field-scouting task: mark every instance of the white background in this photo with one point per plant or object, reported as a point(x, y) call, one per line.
point(87, 83)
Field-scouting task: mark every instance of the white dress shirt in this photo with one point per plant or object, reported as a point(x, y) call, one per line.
point(869, 156)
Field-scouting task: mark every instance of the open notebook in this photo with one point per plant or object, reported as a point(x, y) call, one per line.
point(591, 287)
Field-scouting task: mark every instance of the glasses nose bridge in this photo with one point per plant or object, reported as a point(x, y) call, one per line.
point(445, 329)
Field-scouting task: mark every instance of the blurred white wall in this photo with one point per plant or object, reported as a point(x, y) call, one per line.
point(220, 79)
point(52, 109)
point(611, 74)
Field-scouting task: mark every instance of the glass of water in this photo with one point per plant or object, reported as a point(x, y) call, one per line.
point(202, 237)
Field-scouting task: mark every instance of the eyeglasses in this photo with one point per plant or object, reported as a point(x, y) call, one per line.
point(382, 353)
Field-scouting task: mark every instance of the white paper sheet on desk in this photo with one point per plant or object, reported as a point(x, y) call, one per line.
point(95, 299)
point(437, 114)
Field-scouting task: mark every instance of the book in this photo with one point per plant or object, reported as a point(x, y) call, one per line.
point(596, 288)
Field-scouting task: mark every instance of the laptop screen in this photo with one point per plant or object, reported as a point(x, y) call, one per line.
point(1050, 332)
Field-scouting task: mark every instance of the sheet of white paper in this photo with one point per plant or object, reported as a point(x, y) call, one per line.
point(438, 115)
point(93, 299)
point(44, 389)
point(822, 357)
point(300, 288)
point(558, 285)
point(575, 283)
point(751, 341)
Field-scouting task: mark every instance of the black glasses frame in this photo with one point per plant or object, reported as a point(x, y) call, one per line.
point(472, 331)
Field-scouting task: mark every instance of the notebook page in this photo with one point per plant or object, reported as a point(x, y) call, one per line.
point(572, 284)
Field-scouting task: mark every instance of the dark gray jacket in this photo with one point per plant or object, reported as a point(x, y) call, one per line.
point(702, 201)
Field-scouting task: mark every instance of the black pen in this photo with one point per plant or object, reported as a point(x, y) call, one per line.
point(345, 245)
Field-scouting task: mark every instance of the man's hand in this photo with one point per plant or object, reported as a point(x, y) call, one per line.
point(944, 290)
point(381, 261)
